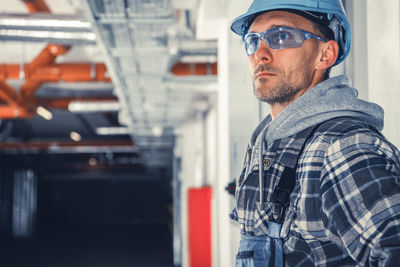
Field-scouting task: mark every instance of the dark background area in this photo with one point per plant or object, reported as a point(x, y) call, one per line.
point(103, 215)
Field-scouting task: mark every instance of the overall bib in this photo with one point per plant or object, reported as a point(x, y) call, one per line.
point(267, 251)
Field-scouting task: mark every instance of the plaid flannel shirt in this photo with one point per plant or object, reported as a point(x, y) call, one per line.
point(345, 207)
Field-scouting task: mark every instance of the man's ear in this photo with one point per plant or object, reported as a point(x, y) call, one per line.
point(328, 55)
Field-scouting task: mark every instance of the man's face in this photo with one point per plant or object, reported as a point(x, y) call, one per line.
point(279, 76)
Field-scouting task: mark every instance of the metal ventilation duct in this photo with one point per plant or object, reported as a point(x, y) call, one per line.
point(61, 29)
point(142, 40)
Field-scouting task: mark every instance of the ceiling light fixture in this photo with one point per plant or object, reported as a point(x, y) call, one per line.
point(75, 136)
point(44, 113)
point(157, 131)
point(92, 161)
point(94, 106)
point(112, 130)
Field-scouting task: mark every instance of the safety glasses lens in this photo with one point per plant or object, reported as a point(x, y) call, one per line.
point(252, 42)
point(276, 38)
point(284, 38)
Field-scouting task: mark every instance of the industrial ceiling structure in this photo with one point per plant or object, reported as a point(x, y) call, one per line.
point(101, 77)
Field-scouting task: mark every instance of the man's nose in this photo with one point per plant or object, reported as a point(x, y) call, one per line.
point(263, 53)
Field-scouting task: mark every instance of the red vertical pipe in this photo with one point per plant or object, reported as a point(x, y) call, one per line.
point(199, 226)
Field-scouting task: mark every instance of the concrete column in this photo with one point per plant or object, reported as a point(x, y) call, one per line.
point(383, 39)
point(237, 116)
point(356, 64)
point(237, 113)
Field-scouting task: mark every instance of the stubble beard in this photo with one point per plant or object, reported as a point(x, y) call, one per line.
point(285, 89)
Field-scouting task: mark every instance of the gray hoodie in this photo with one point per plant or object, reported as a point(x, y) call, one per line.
point(327, 100)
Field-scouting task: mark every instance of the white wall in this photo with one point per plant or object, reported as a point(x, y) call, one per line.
point(383, 30)
point(357, 61)
point(374, 61)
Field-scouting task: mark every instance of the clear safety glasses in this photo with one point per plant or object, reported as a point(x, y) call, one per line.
point(278, 38)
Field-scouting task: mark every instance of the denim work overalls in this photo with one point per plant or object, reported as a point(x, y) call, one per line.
point(267, 251)
point(261, 251)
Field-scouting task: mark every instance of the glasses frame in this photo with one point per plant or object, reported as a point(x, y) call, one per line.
point(263, 35)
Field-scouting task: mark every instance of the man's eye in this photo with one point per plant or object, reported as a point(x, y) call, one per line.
point(283, 36)
point(252, 39)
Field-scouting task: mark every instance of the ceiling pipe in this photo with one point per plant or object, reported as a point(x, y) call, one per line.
point(183, 69)
point(60, 37)
point(65, 102)
point(46, 27)
point(46, 57)
point(42, 69)
point(12, 112)
point(39, 71)
point(7, 93)
point(25, 96)
point(23, 104)
point(44, 22)
point(67, 72)
point(10, 71)
point(36, 6)
point(71, 72)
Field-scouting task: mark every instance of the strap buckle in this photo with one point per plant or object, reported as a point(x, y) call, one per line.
point(280, 201)
point(278, 211)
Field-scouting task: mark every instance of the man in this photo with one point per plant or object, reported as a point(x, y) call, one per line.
point(320, 185)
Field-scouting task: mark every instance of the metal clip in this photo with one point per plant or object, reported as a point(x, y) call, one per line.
point(277, 212)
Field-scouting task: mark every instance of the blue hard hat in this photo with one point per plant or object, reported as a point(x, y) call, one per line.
point(333, 9)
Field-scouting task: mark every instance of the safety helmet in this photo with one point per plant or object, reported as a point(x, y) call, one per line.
point(333, 9)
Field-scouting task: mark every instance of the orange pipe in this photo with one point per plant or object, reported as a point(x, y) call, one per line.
point(27, 91)
point(101, 73)
point(68, 72)
point(42, 69)
point(64, 102)
point(46, 57)
point(71, 72)
point(7, 93)
point(36, 6)
point(195, 69)
point(9, 71)
point(12, 112)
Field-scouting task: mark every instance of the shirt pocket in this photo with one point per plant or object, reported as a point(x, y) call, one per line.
point(251, 254)
point(248, 259)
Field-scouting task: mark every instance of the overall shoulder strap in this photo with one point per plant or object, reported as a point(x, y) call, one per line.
point(281, 195)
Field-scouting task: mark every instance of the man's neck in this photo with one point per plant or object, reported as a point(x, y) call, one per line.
point(277, 108)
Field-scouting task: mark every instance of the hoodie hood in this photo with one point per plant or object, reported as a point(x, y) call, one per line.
point(329, 99)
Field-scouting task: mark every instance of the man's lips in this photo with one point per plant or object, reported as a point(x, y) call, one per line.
point(264, 74)
point(265, 71)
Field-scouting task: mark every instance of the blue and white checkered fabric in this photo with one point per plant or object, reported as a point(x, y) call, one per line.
point(345, 207)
